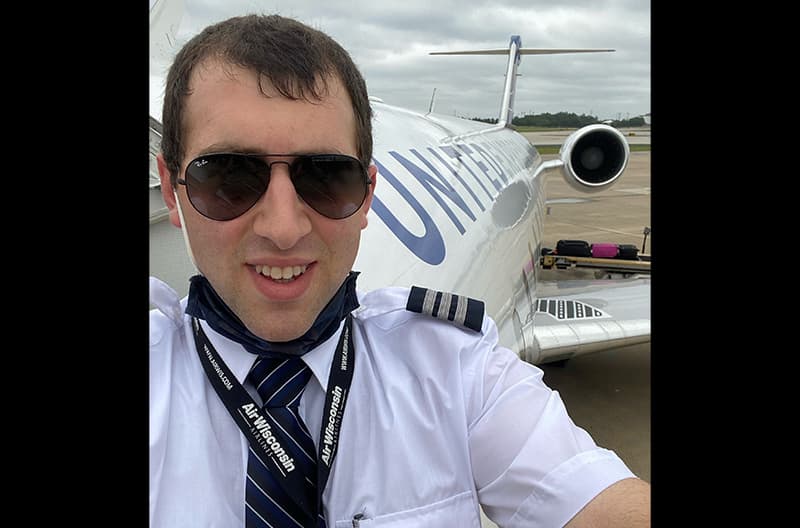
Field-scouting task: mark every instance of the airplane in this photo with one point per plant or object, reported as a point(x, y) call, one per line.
point(460, 208)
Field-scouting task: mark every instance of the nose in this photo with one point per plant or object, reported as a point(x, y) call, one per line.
point(280, 214)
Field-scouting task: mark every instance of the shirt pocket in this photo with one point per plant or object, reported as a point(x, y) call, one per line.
point(458, 511)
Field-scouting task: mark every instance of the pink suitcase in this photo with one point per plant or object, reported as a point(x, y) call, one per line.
point(605, 250)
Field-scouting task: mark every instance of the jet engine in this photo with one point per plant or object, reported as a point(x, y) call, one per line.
point(594, 157)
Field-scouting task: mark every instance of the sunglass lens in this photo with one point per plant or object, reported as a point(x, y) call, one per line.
point(224, 186)
point(334, 186)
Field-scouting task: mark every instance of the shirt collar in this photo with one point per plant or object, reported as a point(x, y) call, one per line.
point(320, 358)
point(240, 361)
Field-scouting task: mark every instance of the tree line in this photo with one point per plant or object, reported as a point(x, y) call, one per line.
point(563, 120)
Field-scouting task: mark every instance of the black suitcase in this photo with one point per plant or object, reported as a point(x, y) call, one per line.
point(628, 252)
point(573, 248)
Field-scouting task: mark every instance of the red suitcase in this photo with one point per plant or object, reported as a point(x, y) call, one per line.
point(605, 250)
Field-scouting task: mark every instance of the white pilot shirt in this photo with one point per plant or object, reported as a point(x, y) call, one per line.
point(439, 420)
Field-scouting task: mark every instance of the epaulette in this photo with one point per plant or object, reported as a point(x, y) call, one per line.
point(463, 311)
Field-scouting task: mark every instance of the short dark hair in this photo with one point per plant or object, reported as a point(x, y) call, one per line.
point(296, 59)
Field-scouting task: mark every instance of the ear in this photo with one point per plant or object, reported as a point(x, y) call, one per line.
point(373, 176)
point(167, 191)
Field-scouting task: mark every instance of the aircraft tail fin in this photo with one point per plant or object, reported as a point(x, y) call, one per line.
point(514, 52)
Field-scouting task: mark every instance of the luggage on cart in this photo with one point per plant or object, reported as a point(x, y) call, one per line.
point(628, 252)
point(573, 248)
point(605, 250)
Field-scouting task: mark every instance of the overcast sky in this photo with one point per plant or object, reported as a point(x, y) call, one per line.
point(390, 40)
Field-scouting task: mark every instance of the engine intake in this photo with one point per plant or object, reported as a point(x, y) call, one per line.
point(594, 157)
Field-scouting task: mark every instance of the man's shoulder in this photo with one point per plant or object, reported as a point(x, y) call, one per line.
point(166, 313)
point(394, 306)
point(417, 344)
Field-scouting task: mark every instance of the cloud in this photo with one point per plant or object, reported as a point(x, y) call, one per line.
point(390, 42)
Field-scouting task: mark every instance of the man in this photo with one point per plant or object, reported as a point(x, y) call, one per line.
point(391, 418)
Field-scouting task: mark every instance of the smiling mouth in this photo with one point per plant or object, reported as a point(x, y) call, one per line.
point(281, 274)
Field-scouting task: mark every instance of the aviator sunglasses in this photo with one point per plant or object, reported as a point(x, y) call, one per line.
point(226, 185)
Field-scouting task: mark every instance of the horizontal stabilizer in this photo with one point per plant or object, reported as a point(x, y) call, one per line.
point(575, 317)
point(514, 52)
point(523, 51)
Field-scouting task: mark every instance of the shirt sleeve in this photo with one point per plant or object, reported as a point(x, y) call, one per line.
point(531, 464)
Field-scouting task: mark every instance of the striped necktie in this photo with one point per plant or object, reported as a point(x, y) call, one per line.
point(280, 382)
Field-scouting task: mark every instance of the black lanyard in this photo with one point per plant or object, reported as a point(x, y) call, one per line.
point(257, 427)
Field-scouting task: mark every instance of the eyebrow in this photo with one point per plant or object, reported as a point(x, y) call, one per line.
point(217, 148)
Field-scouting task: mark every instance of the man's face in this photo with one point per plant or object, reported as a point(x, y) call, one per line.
point(226, 112)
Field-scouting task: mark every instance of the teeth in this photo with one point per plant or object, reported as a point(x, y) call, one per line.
point(278, 273)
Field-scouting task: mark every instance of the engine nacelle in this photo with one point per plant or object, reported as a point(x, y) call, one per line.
point(594, 157)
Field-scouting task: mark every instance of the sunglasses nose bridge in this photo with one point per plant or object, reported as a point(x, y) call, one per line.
point(280, 182)
point(271, 170)
point(278, 162)
point(279, 214)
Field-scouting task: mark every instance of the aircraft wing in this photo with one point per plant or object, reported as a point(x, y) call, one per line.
point(575, 317)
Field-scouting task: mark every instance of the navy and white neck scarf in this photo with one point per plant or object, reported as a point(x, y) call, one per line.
point(204, 303)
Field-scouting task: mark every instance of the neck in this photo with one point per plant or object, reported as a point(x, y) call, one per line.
point(204, 303)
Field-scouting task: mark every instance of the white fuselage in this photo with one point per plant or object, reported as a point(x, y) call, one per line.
point(455, 210)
